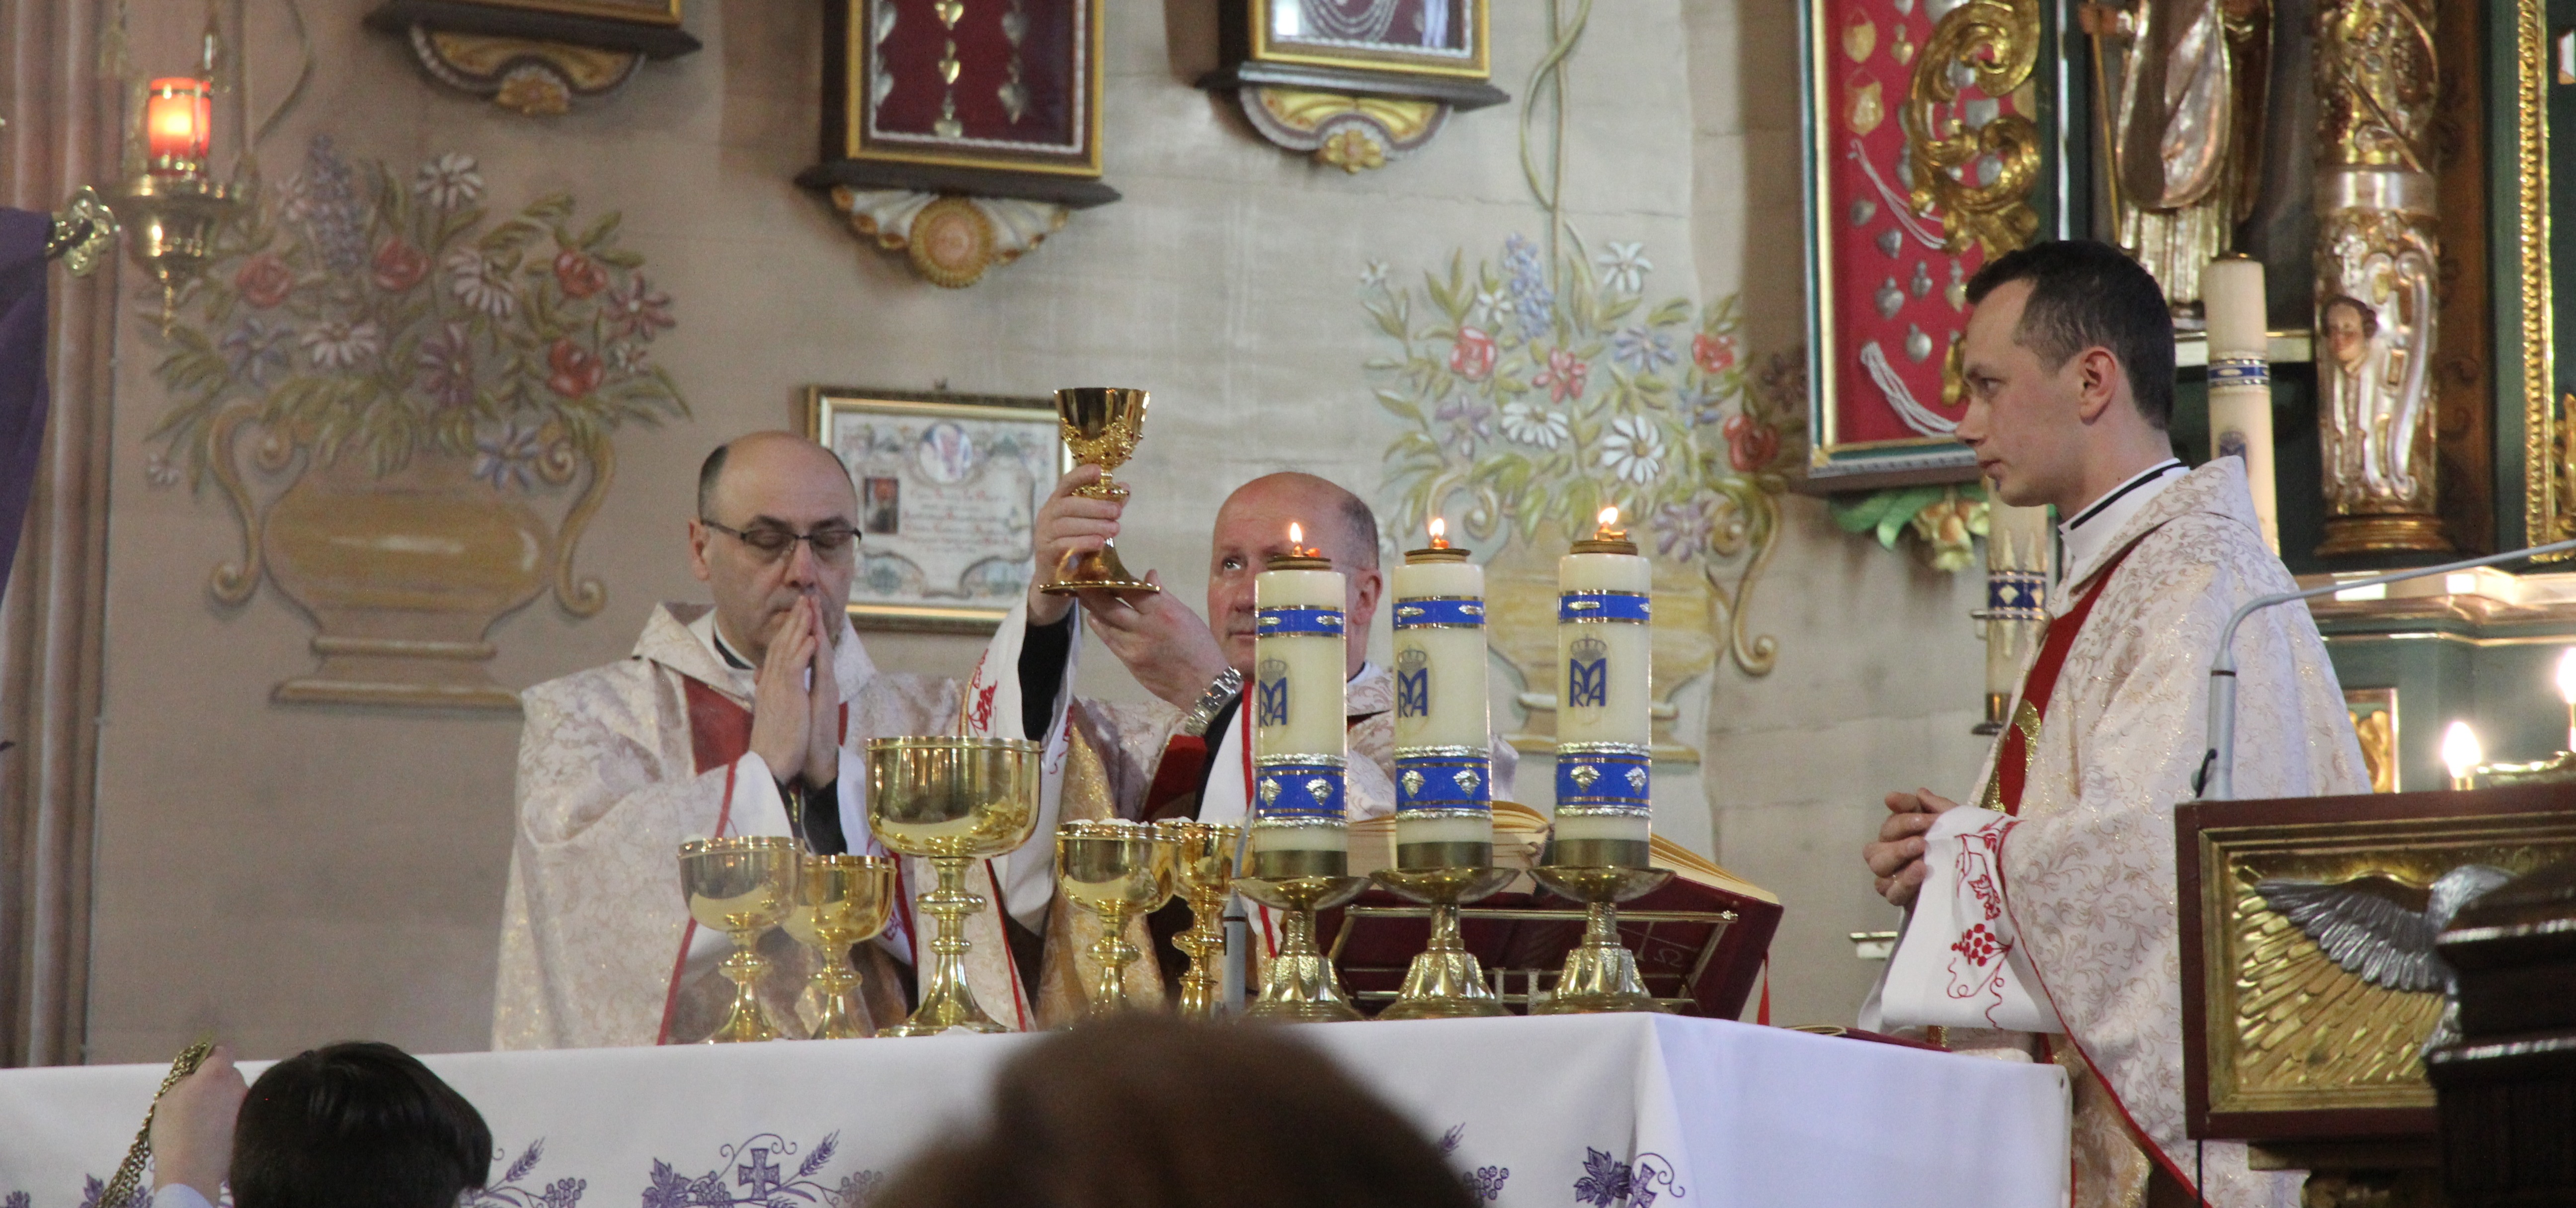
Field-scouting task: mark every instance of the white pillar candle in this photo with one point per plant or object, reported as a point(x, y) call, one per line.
point(1443, 764)
point(2240, 380)
point(1299, 663)
point(1604, 659)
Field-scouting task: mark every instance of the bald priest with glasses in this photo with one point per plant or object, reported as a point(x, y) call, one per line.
point(748, 717)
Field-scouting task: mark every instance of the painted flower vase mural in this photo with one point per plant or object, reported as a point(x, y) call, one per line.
point(1527, 400)
point(409, 400)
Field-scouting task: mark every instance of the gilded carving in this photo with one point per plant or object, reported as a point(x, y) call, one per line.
point(2549, 485)
point(2185, 128)
point(1976, 168)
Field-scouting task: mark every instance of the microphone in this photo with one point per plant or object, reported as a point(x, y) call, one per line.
point(2217, 778)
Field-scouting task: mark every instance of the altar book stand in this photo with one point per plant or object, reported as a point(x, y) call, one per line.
point(2312, 1059)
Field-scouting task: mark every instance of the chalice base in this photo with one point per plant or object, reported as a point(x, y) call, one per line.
point(946, 1014)
point(1445, 985)
point(1088, 570)
point(1303, 988)
point(841, 1016)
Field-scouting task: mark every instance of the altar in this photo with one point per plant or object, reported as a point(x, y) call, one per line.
point(1588, 1109)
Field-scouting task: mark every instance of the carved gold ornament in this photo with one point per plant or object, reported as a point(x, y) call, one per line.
point(523, 75)
point(1353, 133)
point(951, 240)
point(1868, 106)
point(1997, 43)
point(1861, 37)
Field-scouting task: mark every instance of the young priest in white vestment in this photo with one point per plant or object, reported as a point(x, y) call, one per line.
point(2045, 922)
point(750, 718)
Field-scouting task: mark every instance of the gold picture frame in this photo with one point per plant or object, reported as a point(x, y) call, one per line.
point(1473, 61)
point(949, 486)
point(2548, 470)
point(856, 66)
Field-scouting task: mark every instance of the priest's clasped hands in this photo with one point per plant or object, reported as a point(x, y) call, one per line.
point(1897, 858)
point(796, 699)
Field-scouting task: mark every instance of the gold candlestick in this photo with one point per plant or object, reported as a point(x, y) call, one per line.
point(840, 901)
point(952, 801)
point(1203, 855)
point(1302, 986)
point(1600, 974)
point(1115, 869)
point(741, 886)
point(1445, 980)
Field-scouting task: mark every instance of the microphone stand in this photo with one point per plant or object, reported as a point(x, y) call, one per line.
point(2217, 779)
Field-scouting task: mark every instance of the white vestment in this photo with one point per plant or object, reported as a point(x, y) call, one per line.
point(2070, 904)
point(597, 947)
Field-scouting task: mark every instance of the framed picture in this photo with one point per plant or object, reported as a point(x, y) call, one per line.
point(2374, 722)
point(1421, 37)
point(1008, 85)
point(949, 488)
point(1919, 170)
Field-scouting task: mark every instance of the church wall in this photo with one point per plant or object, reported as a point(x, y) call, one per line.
point(286, 875)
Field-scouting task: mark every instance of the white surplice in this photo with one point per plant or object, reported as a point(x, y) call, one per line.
point(596, 944)
point(2075, 895)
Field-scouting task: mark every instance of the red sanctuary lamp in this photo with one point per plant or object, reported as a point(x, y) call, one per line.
point(172, 212)
point(178, 125)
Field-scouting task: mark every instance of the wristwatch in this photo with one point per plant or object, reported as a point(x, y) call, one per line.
point(1225, 687)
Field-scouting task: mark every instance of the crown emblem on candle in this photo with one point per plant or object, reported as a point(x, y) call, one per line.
point(1269, 790)
point(1584, 775)
point(1637, 778)
point(1321, 790)
point(1467, 780)
point(1412, 784)
point(1413, 683)
point(1587, 674)
point(1271, 693)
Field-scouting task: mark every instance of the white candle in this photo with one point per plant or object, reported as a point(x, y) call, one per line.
point(1443, 762)
point(1604, 658)
point(2240, 380)
point(1300, 662)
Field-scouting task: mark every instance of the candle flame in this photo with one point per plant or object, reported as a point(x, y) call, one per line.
point(2461, 751)
point(1296, 535)
point(1609, 516)
point(1440, 535)
point(2567, 676)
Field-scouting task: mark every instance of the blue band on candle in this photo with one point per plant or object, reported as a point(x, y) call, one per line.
point(1628, 606)
point(1291, 788)
point(2014, 595)
point(1279, 622)
point(1443, 782)
point(1442, 612)
point(1603, 774)
point(2240, 371)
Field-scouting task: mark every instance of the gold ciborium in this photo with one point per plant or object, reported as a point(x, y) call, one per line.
point(1600, 973)
point(952, 801)
point(1101, 425)
point(741, 886)
point(1203, 855)
point(1115, 869)
point(1445, 980)
point(1302, 986)
point(840, 901)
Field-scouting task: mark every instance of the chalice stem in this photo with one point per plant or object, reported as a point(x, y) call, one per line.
point(746, 1022)
point(1205, 943)
point(947, 1001)
point(837, 984)
point(1111, 954)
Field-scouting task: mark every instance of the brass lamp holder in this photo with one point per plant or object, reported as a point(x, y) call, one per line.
point(172, 222)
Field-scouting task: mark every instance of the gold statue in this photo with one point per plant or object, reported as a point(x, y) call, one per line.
point(2185, 127)
point(2376, 255)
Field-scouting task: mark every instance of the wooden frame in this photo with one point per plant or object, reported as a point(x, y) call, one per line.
point(855, 74)
point(955, 576)
point(2519, 828)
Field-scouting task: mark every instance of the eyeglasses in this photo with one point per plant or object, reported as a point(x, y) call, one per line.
point(832, 542)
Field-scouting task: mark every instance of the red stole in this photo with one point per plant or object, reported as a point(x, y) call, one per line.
point(2013, 755)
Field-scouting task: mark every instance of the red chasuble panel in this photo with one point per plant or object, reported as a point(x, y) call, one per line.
point(1007, 84)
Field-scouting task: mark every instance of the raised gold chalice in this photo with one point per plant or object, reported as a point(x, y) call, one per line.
point(1302, 986)
point(840, 901)
point(741, 886)
point(1116, 870)
point(1203, 868)
point(952, 801)
point(1101, 425)
point(1600, 974)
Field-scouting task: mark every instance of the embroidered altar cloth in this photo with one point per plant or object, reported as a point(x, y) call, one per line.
point(1594, 1110)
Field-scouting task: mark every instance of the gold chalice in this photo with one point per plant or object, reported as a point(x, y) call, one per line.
point(1101, 425)
point(1203, 865)
point(1115, 869)
point(952, 801)
point(1600, 973)
point(741, 886)
point(1445, 980)
point(840, 901)
point(1302, 986)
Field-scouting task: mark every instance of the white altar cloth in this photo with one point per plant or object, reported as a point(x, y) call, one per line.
point(1594, 1110)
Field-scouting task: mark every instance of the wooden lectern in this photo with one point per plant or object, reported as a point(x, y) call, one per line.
point(2310, 978)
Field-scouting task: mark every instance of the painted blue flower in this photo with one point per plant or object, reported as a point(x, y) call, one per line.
point(1467, 421)
point(255, 350)
point(1532, 301)
point(505, 459)
point(1605, 1179)
point(326, 200)
point(1643, 351)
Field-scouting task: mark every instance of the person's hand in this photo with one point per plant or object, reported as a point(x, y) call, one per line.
point(192, 1129)
point(782, 724)
point(1068, 524)
point(823, 707)
point(1169, 650)
point(1896, 860)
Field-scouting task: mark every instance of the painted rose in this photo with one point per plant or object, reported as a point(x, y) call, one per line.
point(579, 275)
point(1750, 444)
point(1563, 377)
point(264, 281)
point(1713, 354)
point(399, 266)
point(1472, 357)
point(576, 369)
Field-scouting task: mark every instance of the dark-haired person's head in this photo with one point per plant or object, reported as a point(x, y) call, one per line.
point(1147, 1112)
point(356, 1125)
point(2069, 366)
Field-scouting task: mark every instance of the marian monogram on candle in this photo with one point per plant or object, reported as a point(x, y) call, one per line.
point(1413, 683)
point(1270, 693)
point(1587, 674)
